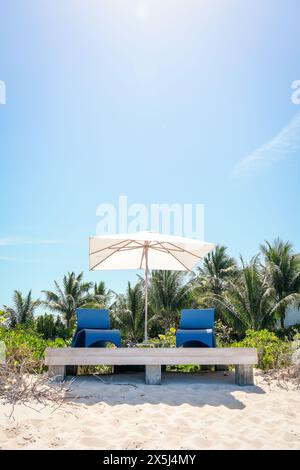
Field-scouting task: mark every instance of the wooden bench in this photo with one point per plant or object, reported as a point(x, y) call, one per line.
point(153, 358)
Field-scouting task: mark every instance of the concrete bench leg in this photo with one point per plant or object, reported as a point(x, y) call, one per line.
point(244, 375)
point(153, 375)
point(57, 372)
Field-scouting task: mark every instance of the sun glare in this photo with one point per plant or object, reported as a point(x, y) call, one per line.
point(142, 12)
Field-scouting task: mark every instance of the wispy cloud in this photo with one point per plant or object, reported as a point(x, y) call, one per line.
point(283, 145)
point(14, 241)
point(14, 259)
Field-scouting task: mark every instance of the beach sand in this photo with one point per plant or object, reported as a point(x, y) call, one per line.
point(189, 411)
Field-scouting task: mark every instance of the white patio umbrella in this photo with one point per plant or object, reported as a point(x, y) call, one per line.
point(146, 250)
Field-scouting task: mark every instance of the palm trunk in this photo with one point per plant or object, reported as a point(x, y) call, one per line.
point(282, 317)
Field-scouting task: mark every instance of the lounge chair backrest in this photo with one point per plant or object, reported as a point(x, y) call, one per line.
point(92, 318)
point(197, 318)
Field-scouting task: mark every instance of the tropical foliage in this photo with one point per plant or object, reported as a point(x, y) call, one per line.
point(26, 345)
point(272, 352)
point(101, 297)
point(248, 302)
point(212, 278)
point(250, 299)
point(128, 312)
point(168, 294)
point(3, 318)
point(282, 269)
point(73, 293)
point(218, 267)
point(167, 340)
point(22, 310)
point(51, 327)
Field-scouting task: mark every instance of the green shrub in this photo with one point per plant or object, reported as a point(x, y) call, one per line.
point(51, 327)
point(3, 318)
point(168, 340)
point(224, 334)
point(295, 347)
point(26, 347)
point(289, 332)
point(272, 352)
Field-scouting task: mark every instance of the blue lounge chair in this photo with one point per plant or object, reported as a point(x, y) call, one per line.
point(93, 329)
point(196, 328)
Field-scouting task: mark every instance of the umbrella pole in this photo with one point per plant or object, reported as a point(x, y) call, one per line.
point(146, 295)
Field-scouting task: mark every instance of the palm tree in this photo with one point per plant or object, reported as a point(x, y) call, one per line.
point(282, 268)
point(218, 268)
point(73, 294)
point(168, 294)
point(248, 301)
point(101, 294)
point(128, 312)
point(23, 308)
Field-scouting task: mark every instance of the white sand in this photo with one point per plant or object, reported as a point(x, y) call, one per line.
point(194, 411)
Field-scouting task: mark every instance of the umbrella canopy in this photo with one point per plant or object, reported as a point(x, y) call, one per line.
point(146, 250)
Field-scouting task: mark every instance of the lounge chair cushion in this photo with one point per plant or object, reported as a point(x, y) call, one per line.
point(93, 328)
point(197, 318)
point(86, 338)
point(92, 318)
point(205, 337)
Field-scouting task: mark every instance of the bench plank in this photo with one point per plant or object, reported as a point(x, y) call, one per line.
point(150, 356)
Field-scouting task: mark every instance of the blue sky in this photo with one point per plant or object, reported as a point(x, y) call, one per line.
point(162, 101)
